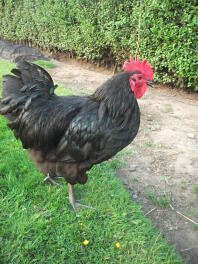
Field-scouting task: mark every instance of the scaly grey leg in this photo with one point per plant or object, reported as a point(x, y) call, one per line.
point(72, 197)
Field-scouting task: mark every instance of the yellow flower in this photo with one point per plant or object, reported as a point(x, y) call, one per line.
point(117, 245)
point(85, 242)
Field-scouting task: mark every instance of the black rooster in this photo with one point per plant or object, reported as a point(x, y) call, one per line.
point(67, 135)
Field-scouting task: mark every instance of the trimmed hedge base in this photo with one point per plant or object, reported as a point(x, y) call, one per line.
point(106, 32)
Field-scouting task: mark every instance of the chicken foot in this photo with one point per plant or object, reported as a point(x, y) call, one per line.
point(50, 179)
point(72, 199)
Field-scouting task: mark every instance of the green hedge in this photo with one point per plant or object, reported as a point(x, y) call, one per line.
point(105, 31)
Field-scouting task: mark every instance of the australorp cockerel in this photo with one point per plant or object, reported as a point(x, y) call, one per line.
point(67, 135)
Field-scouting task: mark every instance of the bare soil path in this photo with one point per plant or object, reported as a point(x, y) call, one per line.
point(162, 168)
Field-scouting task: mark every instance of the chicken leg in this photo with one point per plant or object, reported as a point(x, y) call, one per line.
point(72, 199)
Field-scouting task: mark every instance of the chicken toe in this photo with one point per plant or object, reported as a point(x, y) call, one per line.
point(50, 179)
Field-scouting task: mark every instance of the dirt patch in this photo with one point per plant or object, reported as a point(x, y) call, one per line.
point(165, 156)
point(163, 164)
point(80, 79)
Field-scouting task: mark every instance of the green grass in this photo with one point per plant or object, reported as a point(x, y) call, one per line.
point(195, 226)
point(195, 188)
point(163, 200)
point(45, 64)
point(63, 91)
point(38, 225)
point(5, 68)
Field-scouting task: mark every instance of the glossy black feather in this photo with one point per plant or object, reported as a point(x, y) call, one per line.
point(67, 135)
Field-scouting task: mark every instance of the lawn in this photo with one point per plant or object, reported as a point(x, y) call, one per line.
point(37, 224)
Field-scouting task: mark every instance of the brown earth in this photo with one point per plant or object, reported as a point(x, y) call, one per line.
point(162, 167)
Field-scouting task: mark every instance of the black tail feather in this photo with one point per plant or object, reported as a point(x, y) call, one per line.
point(29, 82)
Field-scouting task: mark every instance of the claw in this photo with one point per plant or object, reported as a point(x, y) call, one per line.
point(86, 206)
point(51, 180)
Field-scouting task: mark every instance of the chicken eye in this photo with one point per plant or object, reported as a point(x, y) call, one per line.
point(140, 78)
point(133, 79)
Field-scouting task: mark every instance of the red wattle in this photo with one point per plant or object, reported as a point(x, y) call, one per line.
point(138, 91)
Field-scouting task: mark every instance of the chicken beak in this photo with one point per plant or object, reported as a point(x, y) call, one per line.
point(150, 83)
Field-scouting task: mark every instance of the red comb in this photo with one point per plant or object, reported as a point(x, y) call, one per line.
point(137, 65)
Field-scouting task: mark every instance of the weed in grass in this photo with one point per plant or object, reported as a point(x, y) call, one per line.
point(195, 226)
point(183, 185)
point(160, 146)
point(162, 200)
point(148, 143)
point(195, 188)
point(191, 213)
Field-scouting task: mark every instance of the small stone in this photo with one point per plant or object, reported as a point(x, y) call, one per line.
point(135, 196)
point(191, 135)
point(135, 192)
point(132, 168)
point(125, 181)
point(149, 118)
